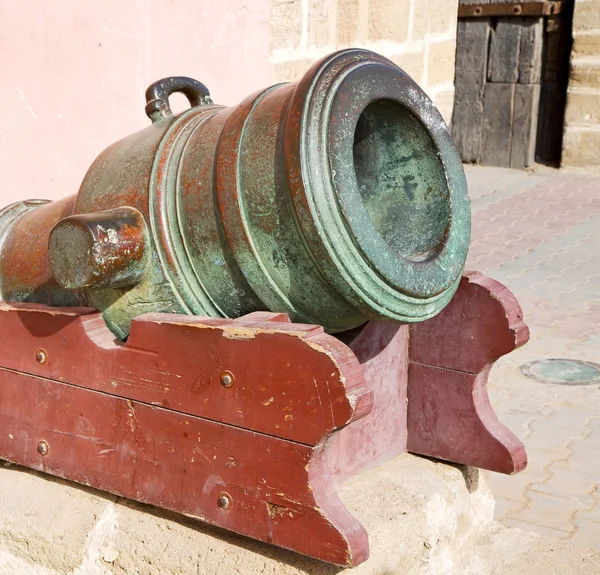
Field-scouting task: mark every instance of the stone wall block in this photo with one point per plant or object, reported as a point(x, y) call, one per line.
point(586, 16)
point(583, 109)
point(580, 148)
point(440, 64)
point(388, 20)
point(320, 14)
point(581, 142)
point(349, 25)
point(418, 35)
point(444, 102)
point(434, 17)
point(586, 44)
point(46, 520)
point(286, 24)
point(291, 70)
point(585, 75)
point(412, 63)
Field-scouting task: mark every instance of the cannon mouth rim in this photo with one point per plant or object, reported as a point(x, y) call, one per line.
point(407, 264)
point(402, 288)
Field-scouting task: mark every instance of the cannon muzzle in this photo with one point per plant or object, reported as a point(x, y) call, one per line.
point(336, 199)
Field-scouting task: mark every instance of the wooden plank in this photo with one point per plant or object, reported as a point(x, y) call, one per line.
point(511, 9)
point(274, 490)
point(530, 53)
point(290, 380)
point(485, 2)
point(451, 418)
point(482, 322)
point(497, 124)
point(525, 123)
point(449, 413)
point(382, 350)
point(503, 64)
point(471, 64)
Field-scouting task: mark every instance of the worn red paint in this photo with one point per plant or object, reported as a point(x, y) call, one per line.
point(449, 413)
point(382, 350)
point(150, 420)
point(175, 361)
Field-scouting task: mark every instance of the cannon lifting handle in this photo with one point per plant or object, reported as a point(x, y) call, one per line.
point(157, 95)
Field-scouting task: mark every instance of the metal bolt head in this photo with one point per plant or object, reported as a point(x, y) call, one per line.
point(41, 356)
point(224, 500)
point(478, 11)
point(227, 379)
point(42, 448)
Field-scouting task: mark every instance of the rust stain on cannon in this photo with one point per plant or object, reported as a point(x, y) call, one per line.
point(24, 270)
point(98, 250)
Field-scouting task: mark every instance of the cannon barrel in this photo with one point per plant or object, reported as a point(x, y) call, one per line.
point(336, 199)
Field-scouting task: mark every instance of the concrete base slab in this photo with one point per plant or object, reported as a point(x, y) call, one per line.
point(423, 517)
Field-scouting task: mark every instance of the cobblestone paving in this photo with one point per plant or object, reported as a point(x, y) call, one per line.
point(539, 234)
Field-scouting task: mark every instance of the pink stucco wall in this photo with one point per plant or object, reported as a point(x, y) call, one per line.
point(73, 76)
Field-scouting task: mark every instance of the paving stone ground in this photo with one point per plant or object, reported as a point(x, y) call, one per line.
point(538, 232)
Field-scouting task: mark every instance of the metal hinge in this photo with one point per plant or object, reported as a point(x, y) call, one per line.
point(544, 8)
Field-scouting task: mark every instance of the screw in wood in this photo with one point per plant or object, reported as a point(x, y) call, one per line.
point(478, 11)
point(42, 448)
point(41, 356)
point(227, 379)
point(224, 500)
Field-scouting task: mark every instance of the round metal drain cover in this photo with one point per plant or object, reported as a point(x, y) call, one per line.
point(563, 371)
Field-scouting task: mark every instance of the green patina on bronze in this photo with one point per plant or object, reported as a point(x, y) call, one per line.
point(336, 199)
point(400, 180)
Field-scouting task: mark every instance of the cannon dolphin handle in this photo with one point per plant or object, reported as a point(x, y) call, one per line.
point(157, 95)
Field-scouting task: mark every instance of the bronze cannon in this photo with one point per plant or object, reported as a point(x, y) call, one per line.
point(336, 199)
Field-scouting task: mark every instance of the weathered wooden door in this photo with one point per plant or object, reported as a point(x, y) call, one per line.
point(511, 75)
